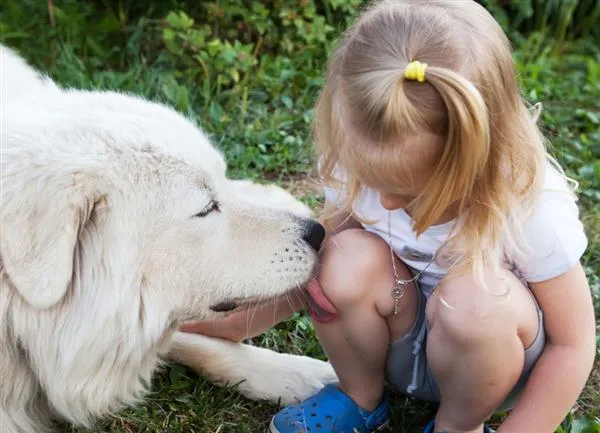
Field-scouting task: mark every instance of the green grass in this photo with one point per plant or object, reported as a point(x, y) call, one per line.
point(249, 73)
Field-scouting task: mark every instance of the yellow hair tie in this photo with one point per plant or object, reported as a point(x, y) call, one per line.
point(415, 71)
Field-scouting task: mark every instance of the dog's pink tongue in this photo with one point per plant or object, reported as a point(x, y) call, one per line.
point(319, 307)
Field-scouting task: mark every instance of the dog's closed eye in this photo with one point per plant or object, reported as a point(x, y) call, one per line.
point(211, 207)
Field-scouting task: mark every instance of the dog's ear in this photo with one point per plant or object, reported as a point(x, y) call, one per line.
point(40, 224)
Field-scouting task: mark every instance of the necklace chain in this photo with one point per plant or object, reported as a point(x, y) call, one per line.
point(399, 287)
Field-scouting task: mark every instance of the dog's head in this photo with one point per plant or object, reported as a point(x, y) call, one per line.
point(101, 191)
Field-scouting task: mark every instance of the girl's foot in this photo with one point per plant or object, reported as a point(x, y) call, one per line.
point(330, 411)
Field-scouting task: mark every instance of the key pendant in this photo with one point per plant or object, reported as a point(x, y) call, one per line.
point(397, 293)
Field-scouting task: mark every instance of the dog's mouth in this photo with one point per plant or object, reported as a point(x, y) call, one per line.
point(319, 307)
point(236, 305)
point(225, 306)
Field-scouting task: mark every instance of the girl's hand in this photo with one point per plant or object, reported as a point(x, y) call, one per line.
point(248, 323)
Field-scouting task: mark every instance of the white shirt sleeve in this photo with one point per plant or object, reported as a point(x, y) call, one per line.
point(555, 238)
point(332, 194)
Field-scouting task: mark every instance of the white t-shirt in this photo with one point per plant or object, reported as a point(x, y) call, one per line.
point(554, 234)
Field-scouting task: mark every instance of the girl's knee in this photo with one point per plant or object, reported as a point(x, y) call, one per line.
point(351, 263)
point(465, 311)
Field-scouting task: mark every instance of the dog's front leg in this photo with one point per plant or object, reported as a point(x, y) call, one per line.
point(260, 374)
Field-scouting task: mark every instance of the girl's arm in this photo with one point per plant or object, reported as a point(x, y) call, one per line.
point(246, 324)
point(560, 374)
point(253, 322)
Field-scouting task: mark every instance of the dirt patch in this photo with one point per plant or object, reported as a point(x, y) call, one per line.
point(298, 184)
point(302, 185)
point(589, 401)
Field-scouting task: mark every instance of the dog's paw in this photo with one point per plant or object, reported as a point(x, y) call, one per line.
point(257, 373)
point(287, 379)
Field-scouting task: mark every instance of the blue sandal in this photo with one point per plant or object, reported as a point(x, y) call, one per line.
point(330, 411)
point(430, 428)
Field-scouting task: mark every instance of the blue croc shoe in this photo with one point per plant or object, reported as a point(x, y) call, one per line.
point(430, 428)
point(330, 411)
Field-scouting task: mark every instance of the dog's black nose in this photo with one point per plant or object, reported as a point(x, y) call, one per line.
point(314, 233)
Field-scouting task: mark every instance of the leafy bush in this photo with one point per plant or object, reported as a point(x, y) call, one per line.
point(565, 19)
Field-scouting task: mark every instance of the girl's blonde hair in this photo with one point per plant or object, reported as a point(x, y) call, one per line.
point(489, 166)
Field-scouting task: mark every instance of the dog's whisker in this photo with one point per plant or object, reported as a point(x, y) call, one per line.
point(249, 316)
point(295, 295)
point(300, 294)
point(275, 313)
point(290, 298)
point(252, 310)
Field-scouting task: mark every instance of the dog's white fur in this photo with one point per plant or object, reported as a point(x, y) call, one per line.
point(102, 256)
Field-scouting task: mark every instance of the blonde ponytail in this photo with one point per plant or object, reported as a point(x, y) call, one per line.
point(465, 154)
point(482, 154)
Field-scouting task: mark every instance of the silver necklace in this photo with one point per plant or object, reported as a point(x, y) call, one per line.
point(399, 287)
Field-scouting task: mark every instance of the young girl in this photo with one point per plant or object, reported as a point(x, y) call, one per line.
point(451, 266)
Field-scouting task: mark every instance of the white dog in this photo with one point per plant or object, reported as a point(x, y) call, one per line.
point(117, 224)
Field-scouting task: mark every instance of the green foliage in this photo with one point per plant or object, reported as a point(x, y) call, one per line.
point(579, 425)
point(249, 72)
point(565, 19)
point(569, 88)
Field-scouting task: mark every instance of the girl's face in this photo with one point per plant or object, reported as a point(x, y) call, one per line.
point(395, 201)
point(391, 201)
point(418, 155)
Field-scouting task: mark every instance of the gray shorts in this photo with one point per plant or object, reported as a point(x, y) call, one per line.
point(407, 369)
